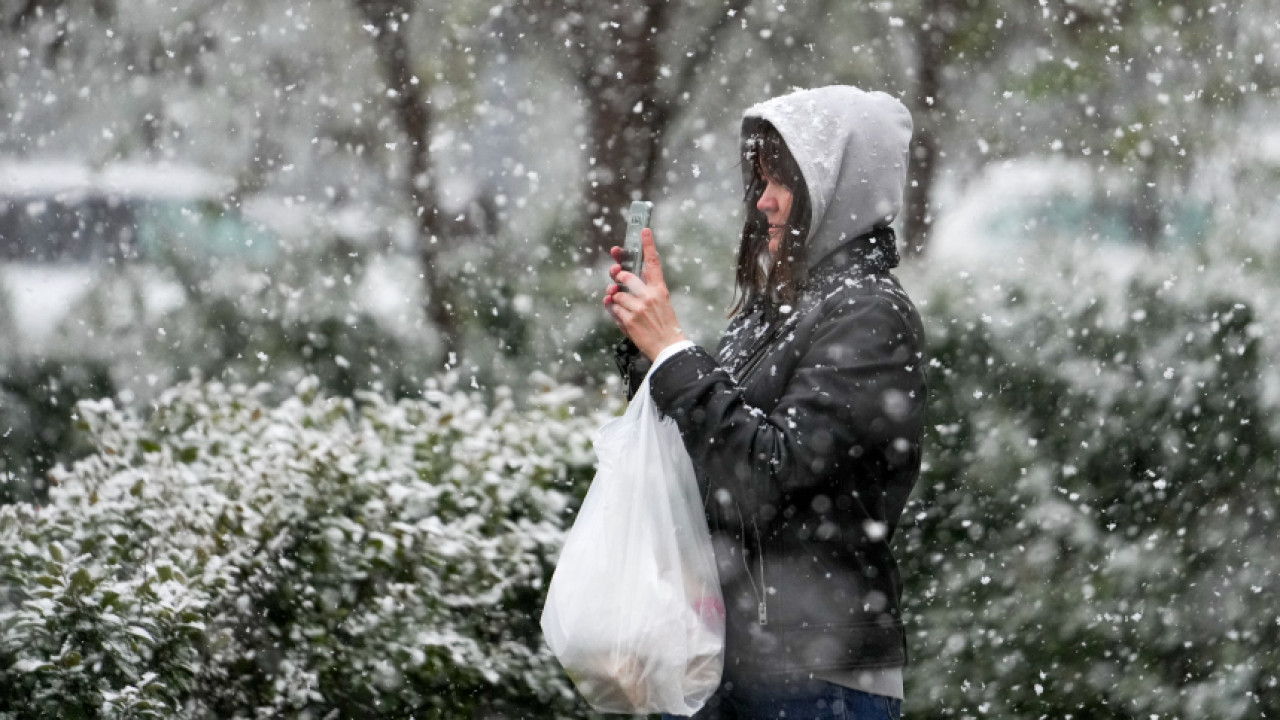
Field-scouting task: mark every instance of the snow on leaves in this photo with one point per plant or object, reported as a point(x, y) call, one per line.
point(227, 557)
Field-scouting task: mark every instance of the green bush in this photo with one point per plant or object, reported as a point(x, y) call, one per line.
point(229, 558)
point(1095, 531)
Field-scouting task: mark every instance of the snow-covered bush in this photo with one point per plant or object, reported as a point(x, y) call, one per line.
point(321, 557)
point(1096, 530)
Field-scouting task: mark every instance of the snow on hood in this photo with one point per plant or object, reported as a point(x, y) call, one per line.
point(851, 146)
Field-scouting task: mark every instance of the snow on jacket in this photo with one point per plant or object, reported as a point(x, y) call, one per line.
point(806, 424)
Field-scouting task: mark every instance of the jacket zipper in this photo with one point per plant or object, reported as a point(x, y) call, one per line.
point(761, 593)
point(763, 611)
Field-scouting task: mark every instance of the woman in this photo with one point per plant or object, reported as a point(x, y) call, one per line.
point(805, 425)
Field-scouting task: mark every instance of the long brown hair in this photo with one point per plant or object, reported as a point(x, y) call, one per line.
point(774, 279)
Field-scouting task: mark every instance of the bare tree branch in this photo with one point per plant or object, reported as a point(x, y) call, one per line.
point(582, 61)
point(28, 12)
point(818, 11)
point(389, 19)
point(703, 49)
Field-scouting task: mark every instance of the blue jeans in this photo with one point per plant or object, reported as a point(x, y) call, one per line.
point(811, 700)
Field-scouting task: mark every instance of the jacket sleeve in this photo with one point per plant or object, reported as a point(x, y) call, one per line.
point(855, 400)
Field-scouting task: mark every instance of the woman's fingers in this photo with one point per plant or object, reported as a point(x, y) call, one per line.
point(652, 263)
point(640, 304)
point(628, 280)
point(628, 301)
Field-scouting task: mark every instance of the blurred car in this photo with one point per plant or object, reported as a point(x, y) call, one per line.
point(65, 226)
point(369, 248)
point(1021, 207)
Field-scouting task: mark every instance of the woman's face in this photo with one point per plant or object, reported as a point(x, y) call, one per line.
point(775, 203)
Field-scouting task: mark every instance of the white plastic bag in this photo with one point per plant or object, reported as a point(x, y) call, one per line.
point(634, 611)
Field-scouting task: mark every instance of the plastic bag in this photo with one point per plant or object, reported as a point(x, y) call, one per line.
point(634, 611)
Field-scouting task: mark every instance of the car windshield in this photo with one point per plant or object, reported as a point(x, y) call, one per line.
point(63, 229)
point(102, 228)
point(1063, 217)
point(199, 231)
point(1101, 219)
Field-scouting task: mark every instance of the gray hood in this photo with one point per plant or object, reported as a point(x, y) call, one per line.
point(851, 146)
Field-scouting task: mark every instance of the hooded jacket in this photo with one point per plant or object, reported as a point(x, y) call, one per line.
point(805, 426)
point(851, 147)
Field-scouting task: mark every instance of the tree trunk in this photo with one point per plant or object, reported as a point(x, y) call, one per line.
point(627, 118)
point(930, 48)
point(634, 92)
point(923, 168)
point(413, 115)
point(632, 105)
point(1146, 217)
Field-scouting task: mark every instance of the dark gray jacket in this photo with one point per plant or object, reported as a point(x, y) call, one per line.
point(806, 436)
point(806, 425)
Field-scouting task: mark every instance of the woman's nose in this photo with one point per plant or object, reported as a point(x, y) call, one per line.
point(767, 201)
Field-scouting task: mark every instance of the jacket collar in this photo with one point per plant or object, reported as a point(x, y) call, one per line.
point(872, 253)
point(868, 254)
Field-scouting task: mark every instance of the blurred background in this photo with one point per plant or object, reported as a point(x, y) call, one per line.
point(367, 198)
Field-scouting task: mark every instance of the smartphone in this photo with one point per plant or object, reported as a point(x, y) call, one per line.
point(632, 251)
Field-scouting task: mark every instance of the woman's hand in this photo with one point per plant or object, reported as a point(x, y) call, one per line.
point(644, 314)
